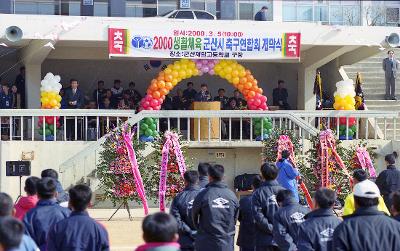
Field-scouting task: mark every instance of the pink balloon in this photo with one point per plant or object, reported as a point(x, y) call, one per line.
point(251, 101)
point(154, 103)
point(148, 97)
point(158, 108)
point(211, 72)
point(257, 102)
point(199, 65)
point(263, 106)
point(205, 61)
point(252, 107)
point(160, 101)
point(146, 104)
point(263, 98)
point(149, 108)
point(205, 69)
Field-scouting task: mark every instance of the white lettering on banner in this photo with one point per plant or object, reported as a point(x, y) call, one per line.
point(209, 42)
point(292, 44)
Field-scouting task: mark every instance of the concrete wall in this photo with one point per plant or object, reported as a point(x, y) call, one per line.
point(47, 155)
point(88, 72)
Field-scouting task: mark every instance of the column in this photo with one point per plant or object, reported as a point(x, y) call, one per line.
point(33, 77)
point(116, 8)
point(6, 6)
point(306, 99)
point(87, 9)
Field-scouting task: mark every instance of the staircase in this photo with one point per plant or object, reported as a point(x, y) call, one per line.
point(373, 78)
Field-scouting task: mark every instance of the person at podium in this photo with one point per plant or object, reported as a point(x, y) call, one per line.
point(222, 98)
point(203, 95)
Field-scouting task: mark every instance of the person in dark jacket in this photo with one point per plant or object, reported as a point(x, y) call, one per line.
point(288, 174)
point(99, 93)
point(388, 180)
point(367, 228)
point(11, 232)
point(20, 83)
point(265, 206)
point(287, 220)
point(215, 211)
point(261, 15)
point(62, 196)
point(222, 98)
point(6, 210)
point(79, 231)
point(47, 212)
point(202, 168)
point(395, 210)
point(189, 93)
point(280, 96)
point(181, 209)
point(317, 231)
point(74, 96)
point(246, 238)
point(203, 95)
point(6, 97)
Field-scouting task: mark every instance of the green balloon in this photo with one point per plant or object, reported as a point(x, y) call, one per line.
point(47, 132)
point(353, 128)
point(51, 127)
point(40, 131)
point(155, 134)
point(144, 127)
point(257, 131)
point(257, 126)
point(153, 126)
point(149, 121)
point(256, 120)
point(342, 127)
point(148, 132)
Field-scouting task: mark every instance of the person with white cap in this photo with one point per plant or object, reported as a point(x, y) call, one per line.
point(367, 228)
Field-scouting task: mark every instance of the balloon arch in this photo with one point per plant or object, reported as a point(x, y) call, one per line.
point(231, 70)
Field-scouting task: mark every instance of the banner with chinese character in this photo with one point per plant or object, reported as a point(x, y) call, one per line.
point(172, 41)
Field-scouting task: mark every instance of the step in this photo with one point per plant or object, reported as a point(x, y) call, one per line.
point(373, 72)
point(383, 107)
point(374, 97)
point(383, 102)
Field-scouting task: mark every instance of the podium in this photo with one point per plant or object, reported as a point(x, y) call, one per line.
point(201, 127)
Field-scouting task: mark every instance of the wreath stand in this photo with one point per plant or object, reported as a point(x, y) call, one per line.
point(126, 206)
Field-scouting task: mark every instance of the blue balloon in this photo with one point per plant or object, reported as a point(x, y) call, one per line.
point(145, 138)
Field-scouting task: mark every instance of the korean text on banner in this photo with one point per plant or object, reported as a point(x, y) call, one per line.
point(205, 43)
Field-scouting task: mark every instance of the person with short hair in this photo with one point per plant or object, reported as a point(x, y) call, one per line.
point(134, 94)
point(288, 174)
point(74, 97)
point(287, 220)
point(179, 101)
point(360, 175)
point(16, 97)
point(246, 237)
point(20, 84)
point(367, 228)
point(261, 15)
point(7, 210)
point(203, 95)
point(99, 93)
point(280, 96)
point(265, 206)
point(181, 209)
point(388, 180)
point(11, 233)
point(160, 232)
point(189, 93)
point(62, 196)
point(202, 168)
point(395, 209)
point(240, 102)
point(390, 65)
point(79, 229)
point(215, 212)
point(47, 212)
point(316, 232)
point(222, 98)
point(26, 203)
point(117, 89)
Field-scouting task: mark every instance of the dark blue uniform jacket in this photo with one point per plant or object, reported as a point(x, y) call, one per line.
point(246, 238)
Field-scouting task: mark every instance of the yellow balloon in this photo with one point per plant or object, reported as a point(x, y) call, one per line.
point(45, 100)
point(235, 80)
point(168, 70)
point(217, 68)
point(177, 67)
point(228, 77)
point(195, 72)
point(174, 81)
point(242, 73)
point(182, 73)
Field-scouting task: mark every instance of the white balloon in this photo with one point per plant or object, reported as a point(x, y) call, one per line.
point(57, 79)
point(49, 76)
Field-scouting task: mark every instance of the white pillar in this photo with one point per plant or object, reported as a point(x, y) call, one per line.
point(33, 77)
point(277, 8)
point(306, 99)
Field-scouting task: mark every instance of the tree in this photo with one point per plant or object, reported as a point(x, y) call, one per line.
point(375, 15)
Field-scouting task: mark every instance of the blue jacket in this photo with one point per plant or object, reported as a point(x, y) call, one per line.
point(62, 195)
point(367, 229)
point(203, 181)
point(264, 207)
point(215, 211)
point(287, 177)
point(317, 231)
point(181, 209)
point(40, 219)
point(286, 224)
point(6, 101)
point(247, 231)
point(76, 233)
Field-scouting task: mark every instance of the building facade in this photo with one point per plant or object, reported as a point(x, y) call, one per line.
point(385, 13)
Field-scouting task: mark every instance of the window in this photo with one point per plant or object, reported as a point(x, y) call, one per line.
point(321, 14)
point(246, 11)
point(304, 13)
point(392, 15)
point(289, 13)
point(203, 15)
point(100, 8)
point(184, 15)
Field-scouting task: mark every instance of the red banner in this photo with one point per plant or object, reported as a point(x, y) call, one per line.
point(292, 45)
point(117, 41)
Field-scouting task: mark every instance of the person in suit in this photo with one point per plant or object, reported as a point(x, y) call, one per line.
point(280, 96)
point(390, 66)
point(74, 99)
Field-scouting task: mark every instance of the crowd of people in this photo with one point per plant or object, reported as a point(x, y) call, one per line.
point(204, 215)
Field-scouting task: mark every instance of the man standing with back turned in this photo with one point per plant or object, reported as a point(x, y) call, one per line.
point(215, 211)
point(390, 66)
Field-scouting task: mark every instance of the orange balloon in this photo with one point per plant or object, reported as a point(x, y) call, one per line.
point(245, 92)
point(156, 94)
point(260, 90)
point(235, 73)
point(250, 77)
point(175, 74)
point(168, 85)
point(154, 81)
point(164, 91)
point(153, 86)
point(161, 84)
point(248, 72)
point(251, 94)
point(248, 85)
point(243, 80)
point(240, 87)
point(168, 77)
point(255, 82)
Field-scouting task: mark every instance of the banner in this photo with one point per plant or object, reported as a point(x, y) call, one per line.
point(170, 41)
